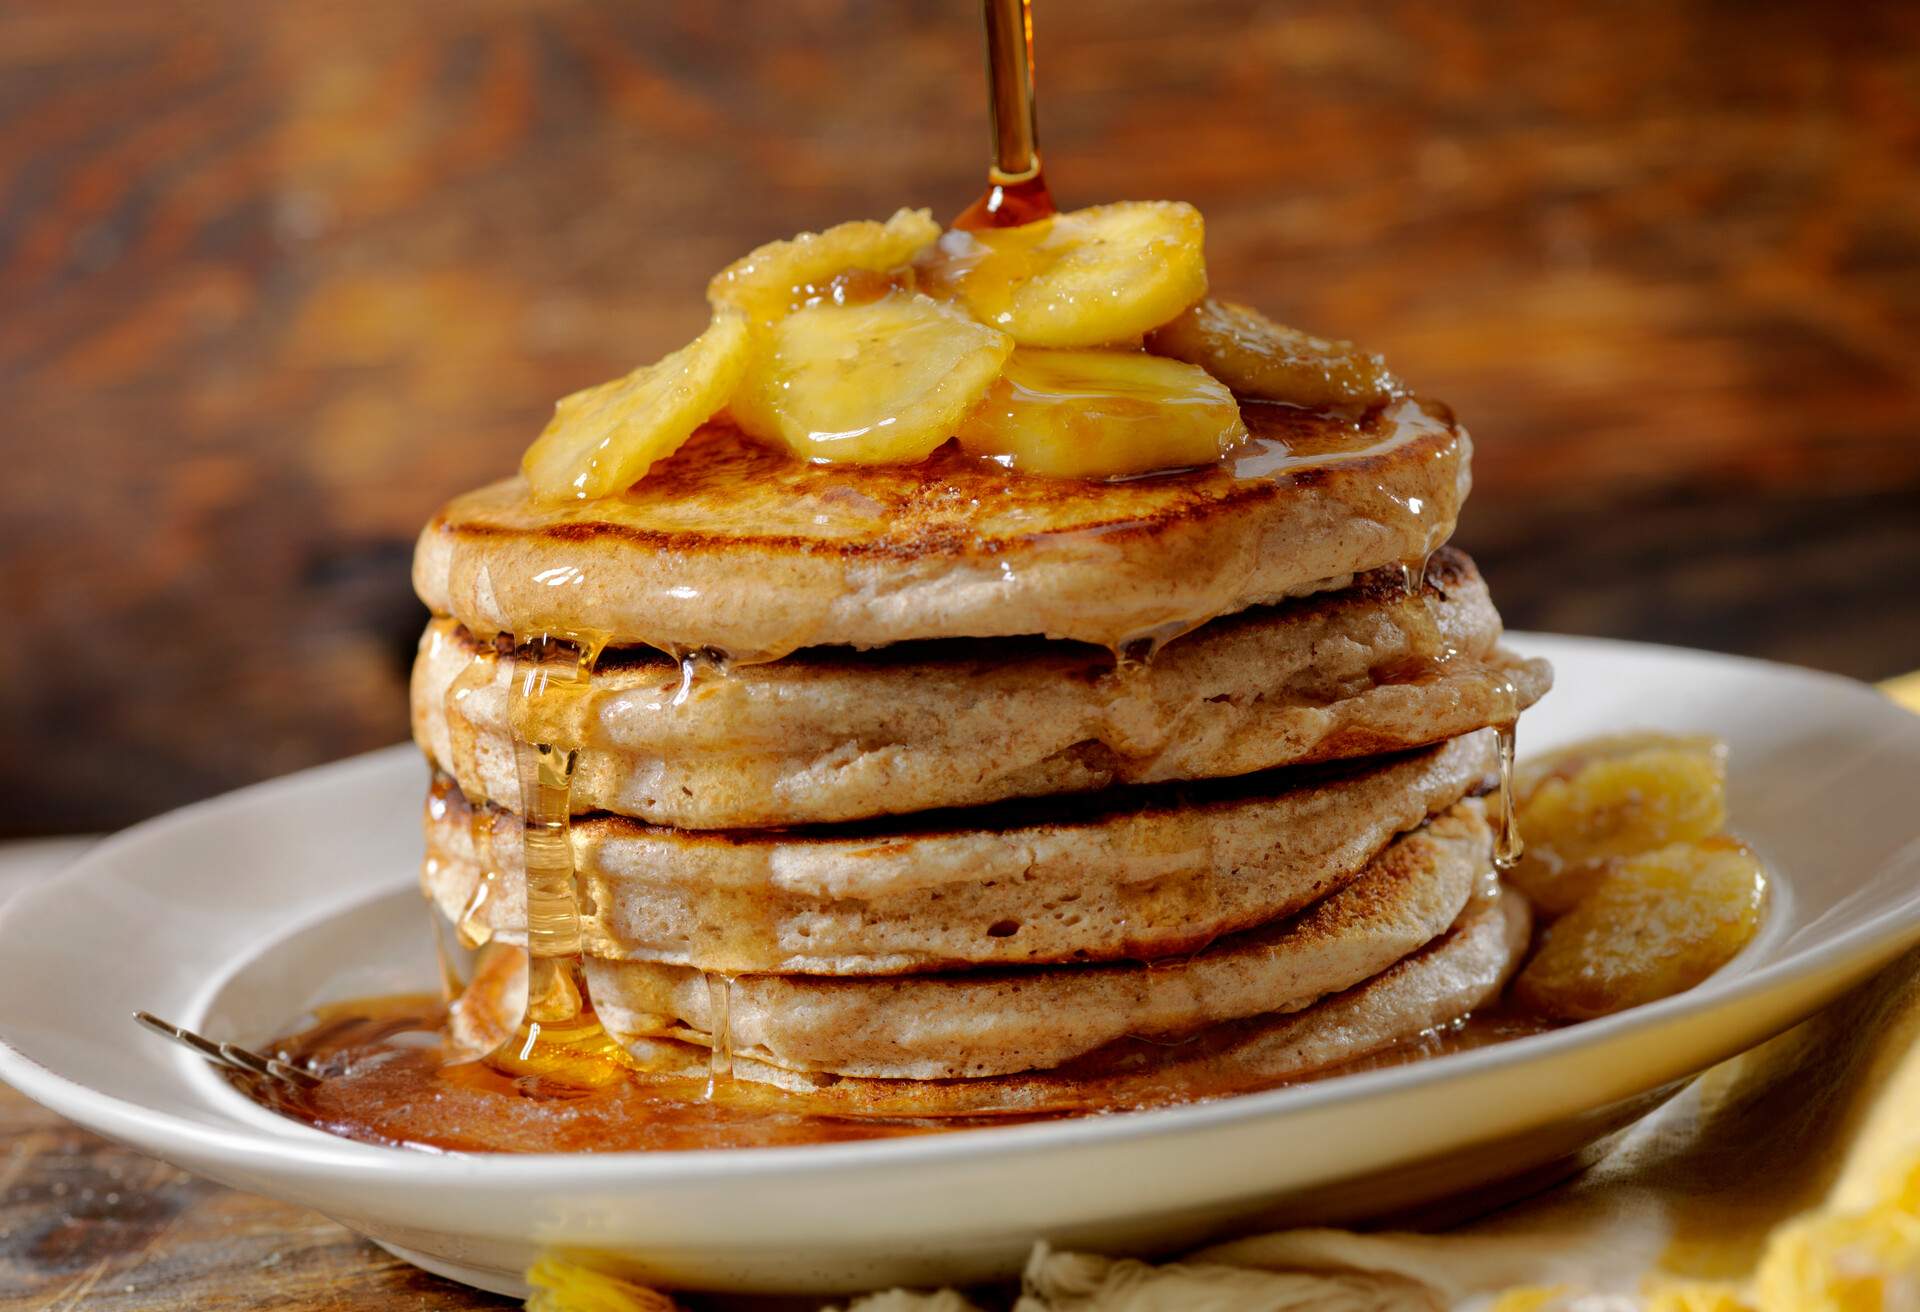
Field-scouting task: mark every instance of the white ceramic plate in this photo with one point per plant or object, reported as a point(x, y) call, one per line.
point(234, 915)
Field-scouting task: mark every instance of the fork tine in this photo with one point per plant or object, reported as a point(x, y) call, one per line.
point(247, 1061)
point(270, 1067)
point(186, 1038)
point(292, 1074)
point(230, 1055)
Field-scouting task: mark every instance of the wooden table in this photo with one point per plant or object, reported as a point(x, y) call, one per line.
point(278, 278)
point(87, 1224)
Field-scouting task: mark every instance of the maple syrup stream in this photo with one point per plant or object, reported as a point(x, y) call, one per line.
point(1016, 190)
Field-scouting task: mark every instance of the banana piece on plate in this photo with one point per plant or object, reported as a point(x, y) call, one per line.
point(1082, 413)
point(1655, 924)
point(1083, 278)
point(1261, 359)
point(604, 439)
point(860, 258)
point(878, 383)
point(1592, 804)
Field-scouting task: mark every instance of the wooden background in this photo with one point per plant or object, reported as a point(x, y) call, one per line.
point(276, 278)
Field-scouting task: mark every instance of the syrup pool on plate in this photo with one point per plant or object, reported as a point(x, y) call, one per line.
point(389, 1077)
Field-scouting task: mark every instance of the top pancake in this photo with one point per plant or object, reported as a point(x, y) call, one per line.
point(735, 548)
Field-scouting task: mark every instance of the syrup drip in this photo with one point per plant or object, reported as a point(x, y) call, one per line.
point(558, 1038)
point(1413, 577)
point(474, 928)
point(1137, 651)
point(720, 1007)
point(1016, 191)
point(1507, 846)
point(451, 985)
point(696, 666)
point(1429, 649)
point(430, 869)
point(1008, 203)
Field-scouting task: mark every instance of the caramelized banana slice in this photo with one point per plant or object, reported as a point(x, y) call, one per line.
point(880, 383)
point(782, 276)
point(602, 440)
point(1608, 798)
point(1257, 357)
point(1095, 413)
point(1083, 278)
point(1654, 925)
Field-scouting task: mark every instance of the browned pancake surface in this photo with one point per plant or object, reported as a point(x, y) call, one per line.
point(732, 546)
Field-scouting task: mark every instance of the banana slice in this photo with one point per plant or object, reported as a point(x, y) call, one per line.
point(604, 439)
point(880, 383)
point(1092, 414)
point(782, 276)
point(1656, 924)
point(1084, 278)
point(1259, 358)
point(1585, 808)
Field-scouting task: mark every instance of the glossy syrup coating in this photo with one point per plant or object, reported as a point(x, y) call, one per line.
point(884, 382)
point(733, 546)
point(1101, 414)
point(812, 268)
point(1086, 278)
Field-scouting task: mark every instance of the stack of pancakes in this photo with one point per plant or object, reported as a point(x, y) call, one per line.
point(940, 790)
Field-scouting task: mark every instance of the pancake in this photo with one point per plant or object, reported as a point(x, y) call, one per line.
point(1463, 970)
point(1000, 1022)
point(830, 735)
point(730, 546)
point(1138, 873)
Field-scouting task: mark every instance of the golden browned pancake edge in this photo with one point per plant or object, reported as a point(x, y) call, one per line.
point(1463, 970)
point(1139, 873)
point(979, 1023)
point(733, 547)
point(829, 736)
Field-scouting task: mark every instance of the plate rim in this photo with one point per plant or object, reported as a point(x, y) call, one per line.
point(1893, 928)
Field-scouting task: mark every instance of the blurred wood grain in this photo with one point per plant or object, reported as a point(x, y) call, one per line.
point(278, 278)
point(85, 1223)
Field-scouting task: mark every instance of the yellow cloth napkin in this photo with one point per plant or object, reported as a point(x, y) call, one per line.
point(1784, 1180)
